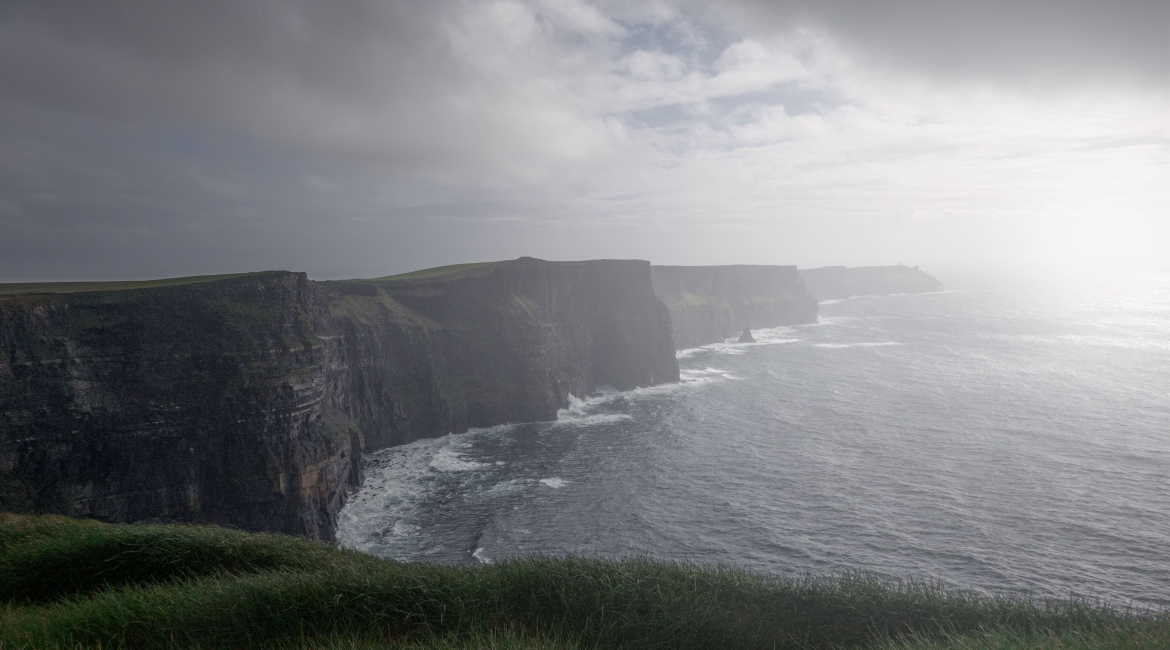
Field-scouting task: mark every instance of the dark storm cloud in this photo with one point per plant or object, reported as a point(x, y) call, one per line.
point(287, 73)
point(400, 85)
point(137, 137)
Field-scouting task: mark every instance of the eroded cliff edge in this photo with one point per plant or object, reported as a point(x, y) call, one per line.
point(709, 304)
point(249, 401)
point(836, 282)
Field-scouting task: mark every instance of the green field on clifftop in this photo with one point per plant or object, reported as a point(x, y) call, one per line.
point(14, 288)
point(435, 272)
point(69, 583)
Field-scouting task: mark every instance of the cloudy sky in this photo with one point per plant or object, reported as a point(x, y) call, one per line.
point(357, 138)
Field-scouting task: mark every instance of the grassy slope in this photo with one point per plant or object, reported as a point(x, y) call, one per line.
point(16, 288)
point(70, 582)
point(78, 287)
point(434, 272)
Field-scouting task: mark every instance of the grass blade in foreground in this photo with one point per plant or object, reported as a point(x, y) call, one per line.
point(69, 582)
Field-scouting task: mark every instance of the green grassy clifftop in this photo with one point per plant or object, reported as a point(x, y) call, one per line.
point(14, 288)
point(70, 583)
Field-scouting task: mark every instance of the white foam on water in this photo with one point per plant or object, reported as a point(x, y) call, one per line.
point(763, 336)
point(596, 418)
point(867, 344)
point(699, 375)
point(554, 482)
point(580, 411)
point(709, 370)
point(506, 487)
point(450, 460)
point(709, 373)
point(831, 320)
point(576, 405)
point(381, 512)
point(1117, 342)
point(584, 411)
point(773, 336)
point(403, 529)
point(581, 406)
point(380, 516)
point(481, 556)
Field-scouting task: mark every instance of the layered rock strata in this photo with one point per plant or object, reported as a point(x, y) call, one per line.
point(249, 401)
point(835, 282)
point(709, 304)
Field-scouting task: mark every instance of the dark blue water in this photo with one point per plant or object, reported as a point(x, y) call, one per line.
point(1006, 436)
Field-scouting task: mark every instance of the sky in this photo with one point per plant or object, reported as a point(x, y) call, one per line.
point(360, 138)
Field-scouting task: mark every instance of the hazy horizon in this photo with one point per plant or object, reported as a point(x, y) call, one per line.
point(953, 277)
point(145, 140)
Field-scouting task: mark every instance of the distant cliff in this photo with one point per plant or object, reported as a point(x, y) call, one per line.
point(834, 282)
point(505, 342)
point(249, 401)
point(709, 304)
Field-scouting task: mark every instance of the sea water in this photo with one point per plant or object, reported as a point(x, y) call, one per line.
point(1006, 435)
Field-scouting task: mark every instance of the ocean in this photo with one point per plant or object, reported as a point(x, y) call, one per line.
point(1008, 435)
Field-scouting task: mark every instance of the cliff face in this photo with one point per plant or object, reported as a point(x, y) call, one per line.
point(191, 403)
point(249, 401)
point(834, 282)
point(712, 303)
point(506, 342)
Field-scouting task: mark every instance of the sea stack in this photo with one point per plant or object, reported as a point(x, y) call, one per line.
point(746, 337)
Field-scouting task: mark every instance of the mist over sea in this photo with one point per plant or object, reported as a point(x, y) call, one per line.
point(1006, 435)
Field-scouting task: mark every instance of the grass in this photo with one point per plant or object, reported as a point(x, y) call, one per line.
point(15, 288)
point(74, 583)
point(435, 272)
point(18, 288)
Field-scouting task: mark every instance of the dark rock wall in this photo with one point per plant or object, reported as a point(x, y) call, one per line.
point(502, 343)
point(712, 303)
point(249, 402)
point(195, 403)
point(835, 282)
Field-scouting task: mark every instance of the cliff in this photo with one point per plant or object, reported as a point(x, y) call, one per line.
point(834, 282)
point(249, 400)
point(423, 355)
point(709, 304)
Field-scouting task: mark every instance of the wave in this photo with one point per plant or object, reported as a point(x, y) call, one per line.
point(580, 410)
point(763, 336)
point(449, 460)
point(699, 373)
point(867, 344)
point(1117, 342)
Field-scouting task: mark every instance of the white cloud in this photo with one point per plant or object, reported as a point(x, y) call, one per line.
point(580, 17)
